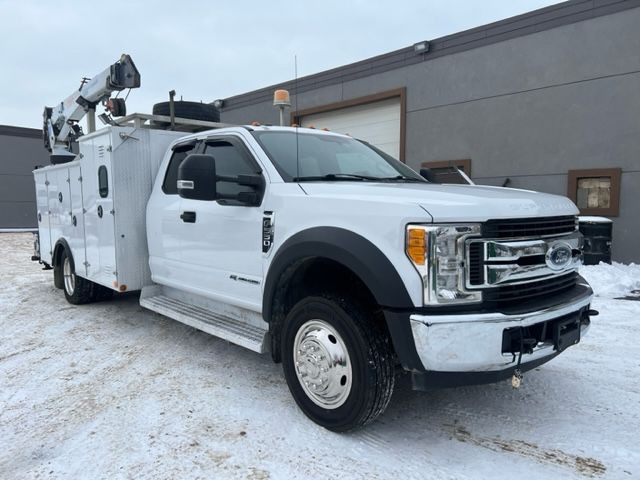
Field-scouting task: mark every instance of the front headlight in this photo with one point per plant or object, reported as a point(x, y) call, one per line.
point(438, 253)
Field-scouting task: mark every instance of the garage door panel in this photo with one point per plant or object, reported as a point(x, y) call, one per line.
point(377, 123)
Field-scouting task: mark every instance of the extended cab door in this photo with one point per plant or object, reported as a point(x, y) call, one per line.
point(221, 240)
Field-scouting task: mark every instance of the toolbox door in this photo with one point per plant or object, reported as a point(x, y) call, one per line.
point(76, 239)
point(42, 204)
point(97, 191)
point(59, 205)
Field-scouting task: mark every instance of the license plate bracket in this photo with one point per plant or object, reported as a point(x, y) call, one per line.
point(566, 333)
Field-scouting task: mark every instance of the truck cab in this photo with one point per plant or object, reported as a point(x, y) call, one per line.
point(342, 263)
point(463, 284)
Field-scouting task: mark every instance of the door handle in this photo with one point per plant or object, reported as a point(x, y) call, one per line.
point(188, 217)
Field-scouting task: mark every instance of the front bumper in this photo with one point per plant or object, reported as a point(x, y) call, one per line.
point(466, 347)
point(473, 342)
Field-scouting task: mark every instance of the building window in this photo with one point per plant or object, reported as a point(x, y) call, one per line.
point(444, 171)
point(595, 191)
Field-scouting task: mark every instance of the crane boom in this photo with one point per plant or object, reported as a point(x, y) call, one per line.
point(61, 127)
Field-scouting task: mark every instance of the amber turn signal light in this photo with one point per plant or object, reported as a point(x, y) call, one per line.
point(417, 245)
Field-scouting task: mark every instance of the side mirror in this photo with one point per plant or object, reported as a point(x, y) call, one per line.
point(197, 180)
point(428, 175)
point(197, 177)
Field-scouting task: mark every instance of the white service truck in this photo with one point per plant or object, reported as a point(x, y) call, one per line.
point(340, 261)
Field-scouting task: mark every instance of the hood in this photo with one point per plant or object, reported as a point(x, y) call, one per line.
point(451, 203)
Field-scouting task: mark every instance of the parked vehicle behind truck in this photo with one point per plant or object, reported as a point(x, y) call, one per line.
point(339, 261)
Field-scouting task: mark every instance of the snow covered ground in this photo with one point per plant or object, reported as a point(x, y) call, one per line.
point(110, 390)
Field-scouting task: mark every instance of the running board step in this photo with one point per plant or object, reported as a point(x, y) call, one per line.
point(222, 326)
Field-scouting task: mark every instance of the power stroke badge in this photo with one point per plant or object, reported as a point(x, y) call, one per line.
point(267, 231)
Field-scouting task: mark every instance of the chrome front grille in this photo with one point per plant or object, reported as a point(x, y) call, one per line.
point(476, 263)
point(514, 294)
point(530, 227)
point(524, 258)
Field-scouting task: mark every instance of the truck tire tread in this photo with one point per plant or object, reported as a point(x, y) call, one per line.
point(371, 340)
point(84, 290)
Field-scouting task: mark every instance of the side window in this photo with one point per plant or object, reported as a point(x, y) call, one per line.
point(103, 182)
point(170, 184)
point(230, 161)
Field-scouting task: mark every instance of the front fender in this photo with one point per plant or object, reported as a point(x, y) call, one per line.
point(353, 251)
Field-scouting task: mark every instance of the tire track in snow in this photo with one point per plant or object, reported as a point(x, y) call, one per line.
point(589, 467)
point(376, 446)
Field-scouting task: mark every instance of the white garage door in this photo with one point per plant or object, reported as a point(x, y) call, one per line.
point(377, 123)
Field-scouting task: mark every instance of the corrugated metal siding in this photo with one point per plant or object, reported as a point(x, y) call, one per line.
point(21, 149)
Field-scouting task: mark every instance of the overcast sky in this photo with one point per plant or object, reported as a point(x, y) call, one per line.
point(207, 50)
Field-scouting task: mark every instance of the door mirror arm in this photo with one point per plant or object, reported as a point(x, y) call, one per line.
point(254, 182)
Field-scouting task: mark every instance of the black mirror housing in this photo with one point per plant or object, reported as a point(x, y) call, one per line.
point(197, 180)
point(197, 177)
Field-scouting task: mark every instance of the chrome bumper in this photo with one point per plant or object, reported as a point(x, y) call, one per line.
point(473, 342)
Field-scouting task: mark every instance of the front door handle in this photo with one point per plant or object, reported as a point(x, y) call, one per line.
point(188, 217)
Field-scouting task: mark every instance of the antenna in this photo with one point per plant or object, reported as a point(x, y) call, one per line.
point(295, 88)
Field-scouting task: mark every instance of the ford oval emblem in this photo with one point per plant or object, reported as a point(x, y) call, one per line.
point(559, 256)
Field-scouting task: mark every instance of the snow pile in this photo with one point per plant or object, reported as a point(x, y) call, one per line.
point(611, 281)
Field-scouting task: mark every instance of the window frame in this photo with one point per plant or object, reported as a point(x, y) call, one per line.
point(239, 143)
point(613, 174)
point(197, 148)
point(463, 164)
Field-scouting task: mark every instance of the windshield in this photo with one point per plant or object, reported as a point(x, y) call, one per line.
point(330, 158)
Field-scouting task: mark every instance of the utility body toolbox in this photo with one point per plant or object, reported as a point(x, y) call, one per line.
point(97, 204)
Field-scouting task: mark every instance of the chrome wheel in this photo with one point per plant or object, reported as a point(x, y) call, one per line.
point(322, 364)
point(69, 277)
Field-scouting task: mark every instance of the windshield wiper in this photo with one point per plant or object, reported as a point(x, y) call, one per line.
point(336, 177)
point(404, 177)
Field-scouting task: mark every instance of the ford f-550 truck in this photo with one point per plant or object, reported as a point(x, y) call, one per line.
point(340, 261)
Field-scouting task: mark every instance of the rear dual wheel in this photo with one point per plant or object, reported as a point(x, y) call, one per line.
point(337, 362)
point(78, 290)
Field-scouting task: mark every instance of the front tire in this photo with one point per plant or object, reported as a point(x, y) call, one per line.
point(337, 362)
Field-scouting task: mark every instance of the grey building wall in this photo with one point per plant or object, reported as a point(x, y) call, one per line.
point(21, 149)
point(528, 99)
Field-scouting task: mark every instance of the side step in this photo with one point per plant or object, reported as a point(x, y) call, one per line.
point(227, 328)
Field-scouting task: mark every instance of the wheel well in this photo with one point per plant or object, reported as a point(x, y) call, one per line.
point(311, 276)
point(56, 259)
point(57, 254)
